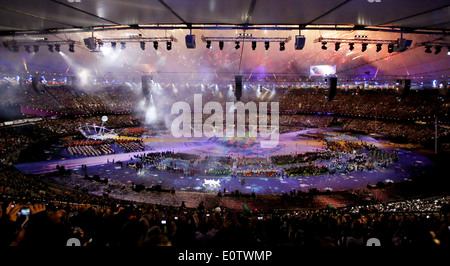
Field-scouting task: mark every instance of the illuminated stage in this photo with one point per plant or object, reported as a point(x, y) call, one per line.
point(408, 165)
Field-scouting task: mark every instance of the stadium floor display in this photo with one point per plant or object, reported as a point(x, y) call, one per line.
point(408, 165)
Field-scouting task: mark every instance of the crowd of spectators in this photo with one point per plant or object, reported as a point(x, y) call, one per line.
point(14, 139)
point(64, 126)
point(65, 99)
point(11, 144)
point(381, 103)
point(57, 213)
point(51, 217)
point(370, 111)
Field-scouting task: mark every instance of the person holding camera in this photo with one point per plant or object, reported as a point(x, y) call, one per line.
point(33, 225)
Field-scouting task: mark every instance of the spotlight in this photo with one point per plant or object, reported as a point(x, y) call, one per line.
point(448, 52)
point(27, 48)
point(364, 47)
point(337, 46)
point(390, 48)
point(438, 49)
point(282, 48)
point(36, 48)
point(71, 48)
point(57, 48)
point(428, 49)
point(169, 46)
point(50, 48)
point(351, 46)
point(237, 45)
point(142, 46)
point(208, 44)
point(267, 45)
point(221, 45)
point(379, 47)
point(123, 46)
point(324, 45)
point(253, 45)
point(113, 45)
point(155, 45)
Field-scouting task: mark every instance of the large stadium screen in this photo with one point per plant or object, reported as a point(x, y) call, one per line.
point(322, 70)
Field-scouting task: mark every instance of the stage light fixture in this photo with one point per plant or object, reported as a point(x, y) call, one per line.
point(169, 46)
point(324, 45)
point(282, 48)
point(438, 49)
point(221, 45)
point(390, 48)
point(253, 45)
point(6, 45)
point(237, 45)
point(15, 49)
point(379, 47)
point(267, 45)
point(71, 48)
point(27, 48)
point(337, 46)
point(208, 44)
point(142, 44)
point(36, 48)
point(50, 48)
point(428, 49)
point(155, 45)
point(351, 46)
point(57, 48)
point(364, 47)
point(123, 46)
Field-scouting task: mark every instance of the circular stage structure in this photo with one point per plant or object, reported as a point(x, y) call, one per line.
point(95, 132)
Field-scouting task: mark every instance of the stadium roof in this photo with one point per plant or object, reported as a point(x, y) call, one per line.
point(411, 15)
point(425, 23)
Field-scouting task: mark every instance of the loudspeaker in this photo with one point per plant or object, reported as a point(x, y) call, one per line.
point(299, 42)
point(35, 84)
point(74, 81)
point(21, 82)
point(190, 41)
point(146, 87)
point(332, 90)
point(403, 45)
point(238, 88)
point(406, 89)
point(90, 43)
